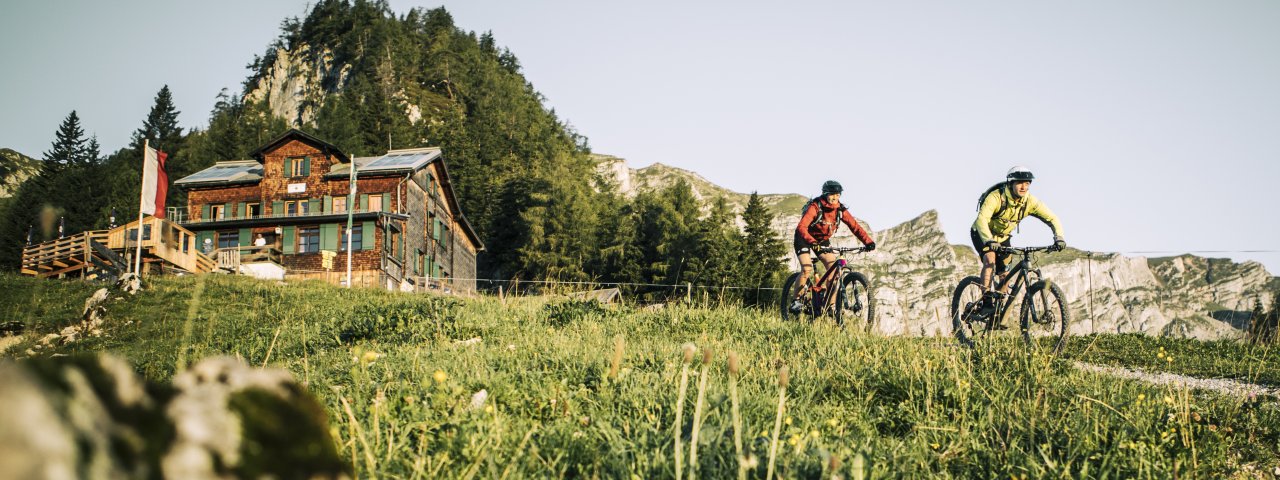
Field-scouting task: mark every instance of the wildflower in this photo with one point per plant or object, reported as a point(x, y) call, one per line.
point(440, 376)
point(369, 357)
point(833, 423)
point(934, 446)
point(1141, 397)
point(787, 421)
point(488, 409)
point(793, 440)
point(813, 433)
point(1161, 354)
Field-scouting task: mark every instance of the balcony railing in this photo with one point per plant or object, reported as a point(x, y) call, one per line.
point(281, 215)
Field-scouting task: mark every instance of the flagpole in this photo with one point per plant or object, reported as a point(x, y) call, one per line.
point(351, 206)
point(146, 145)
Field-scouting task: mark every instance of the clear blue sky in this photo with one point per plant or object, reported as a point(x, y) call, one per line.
point(1152, 125)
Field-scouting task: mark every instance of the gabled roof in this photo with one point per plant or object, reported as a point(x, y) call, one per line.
point(295, 134)
point(224, 173)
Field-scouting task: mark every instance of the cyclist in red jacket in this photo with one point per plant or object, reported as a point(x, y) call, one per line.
point(820, 220)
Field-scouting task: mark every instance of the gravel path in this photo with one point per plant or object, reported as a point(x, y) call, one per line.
point(1221, 385)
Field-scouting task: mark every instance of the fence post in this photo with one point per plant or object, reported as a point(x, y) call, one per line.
point(501, 297)
point(688, 292)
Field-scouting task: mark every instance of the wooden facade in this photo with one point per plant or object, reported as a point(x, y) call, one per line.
point(408, 231)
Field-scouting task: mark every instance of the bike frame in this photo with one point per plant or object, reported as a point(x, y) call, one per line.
point(1017, 277)
point(832, 274)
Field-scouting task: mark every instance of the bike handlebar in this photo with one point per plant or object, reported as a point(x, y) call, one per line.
point(839, 250)
point(1026, 250)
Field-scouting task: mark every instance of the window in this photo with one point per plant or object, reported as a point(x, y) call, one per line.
point(308, 239)
point(339, 205)
point(219, 212)
point(296, 207)
point(228, 239)
point(255, 210)
point(297, 166)
point(375, 203)
point(357, 237)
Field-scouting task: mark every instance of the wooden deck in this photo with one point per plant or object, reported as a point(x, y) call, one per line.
point(91, 253)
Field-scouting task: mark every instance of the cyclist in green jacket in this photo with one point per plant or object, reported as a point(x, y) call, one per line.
point(999, 212)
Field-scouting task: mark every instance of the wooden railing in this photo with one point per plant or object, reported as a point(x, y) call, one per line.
point(62, 256)
point(231, 258)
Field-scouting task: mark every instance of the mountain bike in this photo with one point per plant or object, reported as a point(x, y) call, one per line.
point(842, 294)
point(1044, 312)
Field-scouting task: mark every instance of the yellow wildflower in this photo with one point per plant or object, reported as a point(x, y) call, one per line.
point(440, 376)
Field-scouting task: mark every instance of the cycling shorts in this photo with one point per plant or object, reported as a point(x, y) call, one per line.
point(1002, 259)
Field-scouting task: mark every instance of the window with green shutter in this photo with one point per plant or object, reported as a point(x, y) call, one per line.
point(367, 231)
point(327, 204)
point(313, 205)
point(277, 209)
point(206, 212)
point(306, 166)
point(242, 210)
point(246, 236)
point(288, 167)
point(329, 236)
point(289, 239)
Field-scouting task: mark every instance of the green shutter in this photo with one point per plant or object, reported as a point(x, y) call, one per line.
point(435, 229)
point(227, 210)
point(205, 212)
point(367, 235)
point(288, 167)
point(246, 236)
point(289, 240)
point(242, 210)
point(326, 206)
point(329, 236)
point(364, 201)
point(277, 209)
point(306, 166)
point(314, 206)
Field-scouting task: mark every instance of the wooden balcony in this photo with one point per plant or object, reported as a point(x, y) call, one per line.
point(86, 253)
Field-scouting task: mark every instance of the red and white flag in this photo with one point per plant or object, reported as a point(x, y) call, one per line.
point(155, 182)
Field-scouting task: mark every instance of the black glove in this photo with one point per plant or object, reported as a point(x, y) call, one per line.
point(869, 247)
point(1059, 244)
point(991, 245)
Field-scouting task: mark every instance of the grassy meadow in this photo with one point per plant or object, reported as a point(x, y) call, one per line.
point(582, 390)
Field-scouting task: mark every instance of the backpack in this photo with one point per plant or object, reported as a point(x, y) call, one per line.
point(817, 218)
point(993, 188)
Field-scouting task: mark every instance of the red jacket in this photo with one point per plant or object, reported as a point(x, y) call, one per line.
point(821, 230)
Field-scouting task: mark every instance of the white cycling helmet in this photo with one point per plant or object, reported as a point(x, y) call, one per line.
point(1019, 173)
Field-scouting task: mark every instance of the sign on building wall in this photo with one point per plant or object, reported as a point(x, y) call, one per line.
point(297, 188)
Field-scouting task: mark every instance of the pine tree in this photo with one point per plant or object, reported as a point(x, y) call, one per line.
point(762, 251)
point(161, 126)
point(69, 146)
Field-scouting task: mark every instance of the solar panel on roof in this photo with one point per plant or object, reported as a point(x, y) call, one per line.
point(222, 172)
point(397, 160)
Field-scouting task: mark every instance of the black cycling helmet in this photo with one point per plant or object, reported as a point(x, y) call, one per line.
point(831, 186)
point(1019, 174)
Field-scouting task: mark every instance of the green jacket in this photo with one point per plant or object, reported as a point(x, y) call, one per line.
point(995, 224)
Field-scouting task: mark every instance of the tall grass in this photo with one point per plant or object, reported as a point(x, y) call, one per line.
point(397, 384)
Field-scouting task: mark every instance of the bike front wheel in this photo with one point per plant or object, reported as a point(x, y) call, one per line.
point(854, 302)
point(1045, 317)
point(793, 290)
point(969, 321)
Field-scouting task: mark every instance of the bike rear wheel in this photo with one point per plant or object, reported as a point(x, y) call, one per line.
point(968, 322)
point(791, 290)
point(1045, 317)
point(854, 302)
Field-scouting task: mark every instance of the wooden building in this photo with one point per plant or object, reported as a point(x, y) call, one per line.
point(285, 214)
